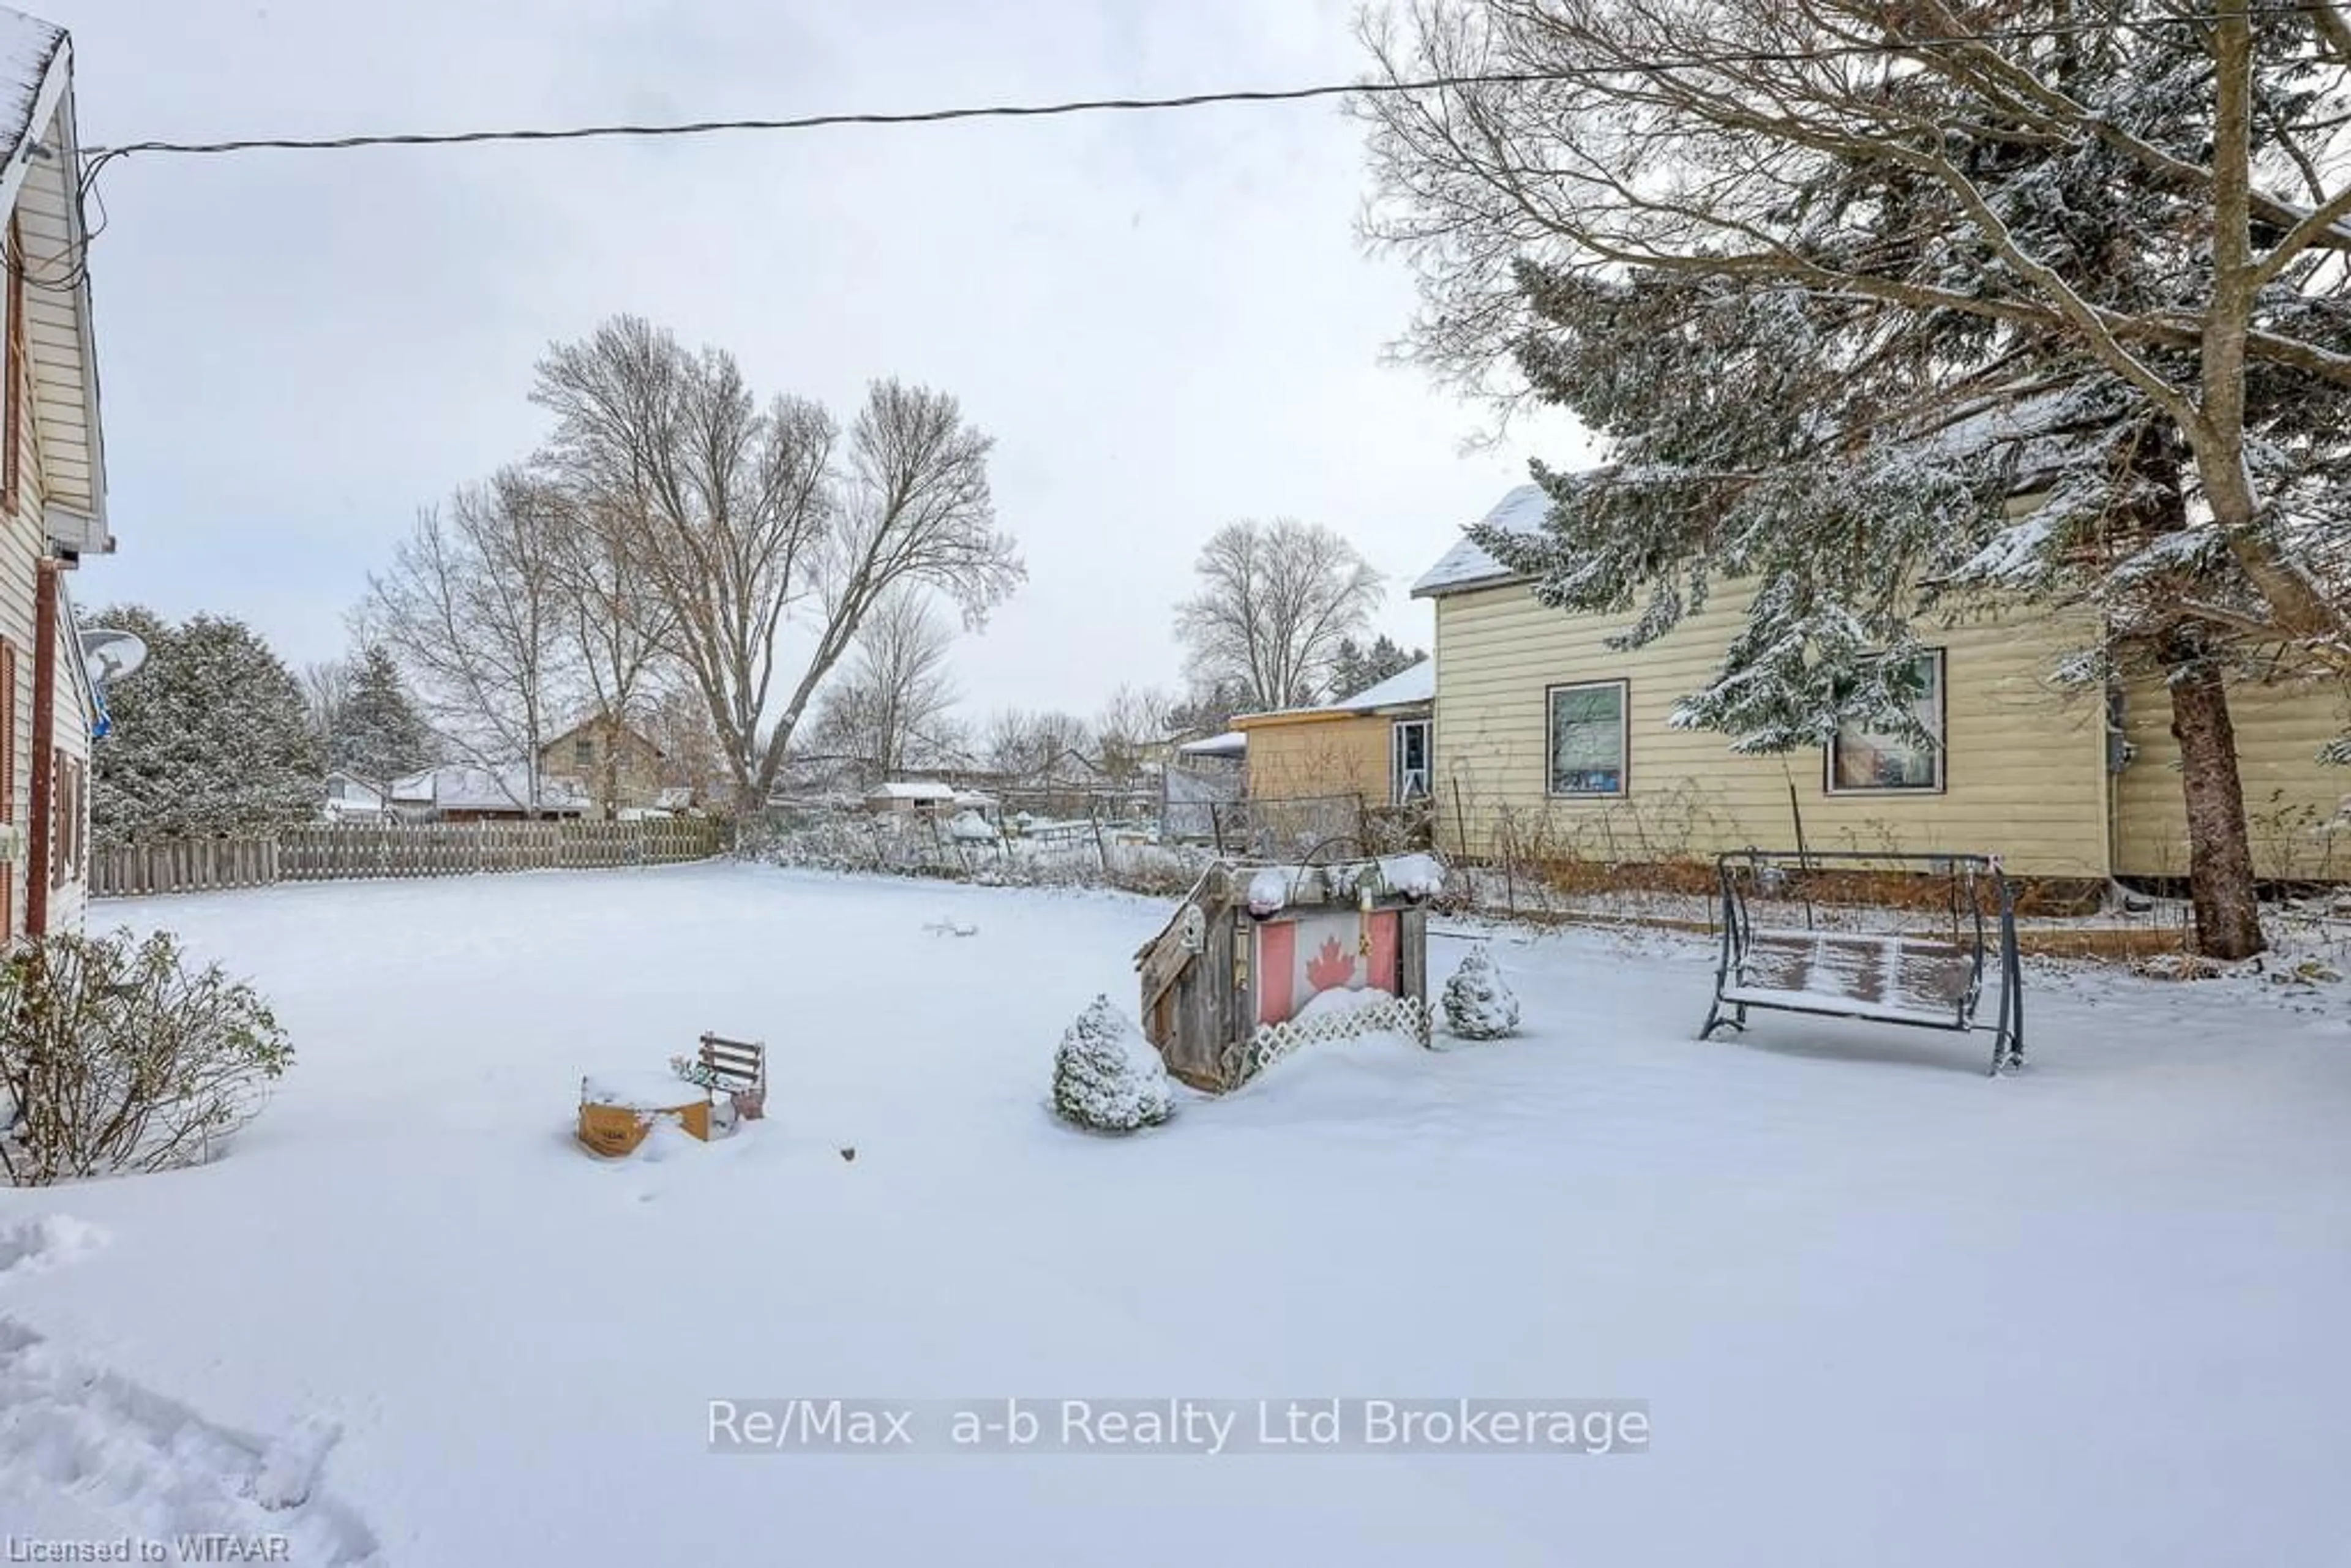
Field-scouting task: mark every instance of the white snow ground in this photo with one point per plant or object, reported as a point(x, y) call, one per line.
point(1882, 1309)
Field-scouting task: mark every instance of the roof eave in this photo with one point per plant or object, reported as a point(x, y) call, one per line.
point(1467, 585)
point(79, 531)
point(98, 533)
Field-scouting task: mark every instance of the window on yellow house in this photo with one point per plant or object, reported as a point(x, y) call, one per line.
point(1864, 760)
point(1588, 742)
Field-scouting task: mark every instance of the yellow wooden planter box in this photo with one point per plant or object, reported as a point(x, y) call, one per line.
point(617, 1112)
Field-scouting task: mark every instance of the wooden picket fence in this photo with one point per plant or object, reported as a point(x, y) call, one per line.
point(337, 851)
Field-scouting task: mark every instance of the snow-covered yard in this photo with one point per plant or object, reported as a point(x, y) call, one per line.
point(1881, 1308)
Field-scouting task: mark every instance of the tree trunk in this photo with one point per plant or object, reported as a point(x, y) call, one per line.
point(2220, 850)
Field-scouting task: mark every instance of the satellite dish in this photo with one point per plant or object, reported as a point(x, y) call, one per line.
point(112, 656)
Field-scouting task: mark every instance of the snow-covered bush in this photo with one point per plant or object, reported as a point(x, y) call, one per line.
point(1477, 1005)
point(1106, 1076)
point(115, 1055)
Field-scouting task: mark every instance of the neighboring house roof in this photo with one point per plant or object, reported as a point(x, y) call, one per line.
point(1466, 564)
point(40, 186)
point(348, 794)
point(1232, 743)
point(912, 790)
point(1408, 689)
point(460, 787)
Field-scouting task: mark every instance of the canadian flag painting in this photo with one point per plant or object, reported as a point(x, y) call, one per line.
point(1297, 960)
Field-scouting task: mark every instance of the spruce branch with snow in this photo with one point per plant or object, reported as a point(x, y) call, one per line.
point(1477, 1005)
point(1106, 1076)
point(2004, 302)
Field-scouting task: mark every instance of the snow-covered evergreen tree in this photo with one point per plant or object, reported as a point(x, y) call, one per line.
point(210, 738)
point(1357, 669)
point(377, 733)
point(1106, 1076)
point(1477, 1005)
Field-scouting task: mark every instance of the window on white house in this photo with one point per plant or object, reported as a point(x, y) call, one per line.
point(1862, 759)
point(1408, 772)
point(1587, 739)
point(583, 751)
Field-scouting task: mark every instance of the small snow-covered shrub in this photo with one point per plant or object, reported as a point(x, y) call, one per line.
point(1106, 1076)
point(1477, 1005)
point(116, 1055)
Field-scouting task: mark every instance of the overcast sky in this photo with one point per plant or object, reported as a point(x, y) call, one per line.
point(1165, 321)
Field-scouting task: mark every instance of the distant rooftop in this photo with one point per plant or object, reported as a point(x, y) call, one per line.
point(1402, 689)
point(912, 790)
point(1232, 743)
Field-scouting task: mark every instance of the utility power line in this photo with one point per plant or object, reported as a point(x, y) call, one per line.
point(98, 156)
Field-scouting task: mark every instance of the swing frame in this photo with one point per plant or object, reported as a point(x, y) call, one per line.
point(1909, 981)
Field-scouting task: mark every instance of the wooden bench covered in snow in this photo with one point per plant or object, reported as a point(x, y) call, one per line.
point(1922, 981)
point(736, 1069)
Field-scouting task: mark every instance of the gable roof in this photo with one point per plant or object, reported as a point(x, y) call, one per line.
point(1466, 564)
point(599, 721)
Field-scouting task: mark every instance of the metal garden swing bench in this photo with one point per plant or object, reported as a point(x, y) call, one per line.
point(1919, 982)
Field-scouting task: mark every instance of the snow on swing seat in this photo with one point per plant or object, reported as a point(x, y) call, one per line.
point(1898, 979)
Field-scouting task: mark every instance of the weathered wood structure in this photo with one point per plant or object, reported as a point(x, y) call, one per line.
point(1259, 959)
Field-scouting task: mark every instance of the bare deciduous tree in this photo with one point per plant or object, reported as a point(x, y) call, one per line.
point(677, 721)
point(890, 694)
point(1035, 748)
point(1135, 721)
point(1276, 602)
point(753, 520)
point(473, 609)
point(326, 688)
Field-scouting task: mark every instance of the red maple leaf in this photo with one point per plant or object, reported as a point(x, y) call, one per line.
point(1332, 967)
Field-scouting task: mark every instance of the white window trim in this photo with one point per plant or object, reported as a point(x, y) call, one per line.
point(1942, 784)
point(1623, 741)
point(1397, 770)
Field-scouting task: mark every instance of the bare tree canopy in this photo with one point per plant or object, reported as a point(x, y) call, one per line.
point(473, 611)
point(1036, 748)
point(750, 521)
point(618, 628)
point(326, 688)
point(1135, 722)
point(882, 709)
point(1275, 602)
